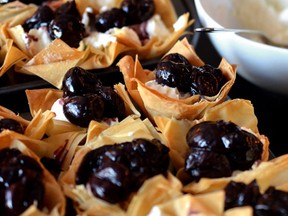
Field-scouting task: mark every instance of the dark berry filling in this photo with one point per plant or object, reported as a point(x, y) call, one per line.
point(11, 124)
point(174, 70)
point(113, 172)
point(19, 175)
point(86, 99)
point(64, 23)
point(216, 149)
point(271, 202)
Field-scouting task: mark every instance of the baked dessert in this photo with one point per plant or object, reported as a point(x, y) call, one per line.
point(147, 28)
point(83, 98)
point(260, 191)
point(217, 145)
point(132, 150)
point(22, 173)
point(180, 86)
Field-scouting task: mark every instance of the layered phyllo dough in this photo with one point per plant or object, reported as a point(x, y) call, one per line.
point(91, 34)
point(112, 166)
point(181, 85)
point(221, 144)
point(83, 98)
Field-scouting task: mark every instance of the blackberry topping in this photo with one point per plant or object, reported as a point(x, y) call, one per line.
point(271, 202)
point(78, 81)
point(86, 99)
point(68, 28)
point(11, 124)
point(109, 19)
point(113, 103)
point(218, 148)
point(131, 13)
point(113, 172)
point(64, 23)
point(70, 8)
point(80, 110)
point(41, 18)
point(138, 11)
point(174, 70)
point(19, 175)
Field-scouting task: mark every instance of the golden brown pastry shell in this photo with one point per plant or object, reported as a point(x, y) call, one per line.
point(153, 103)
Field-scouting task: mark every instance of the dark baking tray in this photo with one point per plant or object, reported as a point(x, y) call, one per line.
point(13, 84)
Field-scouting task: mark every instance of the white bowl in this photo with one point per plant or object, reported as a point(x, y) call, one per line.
point(263, 65)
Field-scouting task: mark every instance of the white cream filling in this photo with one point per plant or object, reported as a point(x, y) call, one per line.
point(157, 28)
point(36, 40)
point(99, 40)
point(57, 108)
point(166, 90)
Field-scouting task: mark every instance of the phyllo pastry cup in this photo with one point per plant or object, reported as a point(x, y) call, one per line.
point(61, 139)
point(240, 112)
point(56, 55)
point(96, 49)
point(40, 135)
point(9, 55)
point(164, 196)
point(259, 189)
point(125, 131)
point(16, 12)
point(53, 201)
point(42, 100)
point(12, 14)
point(60, 147)
point(155, 103)
point(266, 173)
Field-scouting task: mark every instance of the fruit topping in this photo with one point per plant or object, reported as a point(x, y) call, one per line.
point(80, 110)
point(64, 23)
point(70, 8)
point(271, 202)
point(41, 18)
point(131, 12)
point(11, 124)
point(109, 19)
point(216, 149)
point(138, 11)
point(86, 99)
point(19, 175)
point(113, 172)
point(78, 81)
point(174, 70)
point(68, 28)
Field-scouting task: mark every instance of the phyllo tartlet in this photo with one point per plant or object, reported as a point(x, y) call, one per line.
point(92, 34)
point(263, 190)
point(109, 169)
point(180, 86)
point(83, 98)
point(221, 144)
